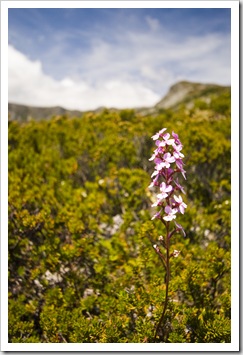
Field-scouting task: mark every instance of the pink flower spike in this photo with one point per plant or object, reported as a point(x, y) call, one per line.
point(168, 151)
point(170, 213)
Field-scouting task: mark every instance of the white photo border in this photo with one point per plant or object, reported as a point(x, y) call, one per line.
point(84, 347)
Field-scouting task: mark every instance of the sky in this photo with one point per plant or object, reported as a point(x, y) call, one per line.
point(88, 58)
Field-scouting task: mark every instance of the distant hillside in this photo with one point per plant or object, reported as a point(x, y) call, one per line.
point(183, 92)
point(25, 113)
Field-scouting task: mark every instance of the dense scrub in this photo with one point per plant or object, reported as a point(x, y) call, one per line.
point(81, 264)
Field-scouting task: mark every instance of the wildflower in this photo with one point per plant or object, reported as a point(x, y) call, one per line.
point(166, 140)
point(165, 188)
point(176, 137)
point(176, 253)
point(160, 149)
point(180, 205)
point(159, 134)
point(160, 197)
point(170, 213)
point(168, 160)
point(177, 151)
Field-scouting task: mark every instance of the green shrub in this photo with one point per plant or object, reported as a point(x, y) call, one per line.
point(81, 264)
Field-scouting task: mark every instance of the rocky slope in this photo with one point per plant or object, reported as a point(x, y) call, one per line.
point(183, 92)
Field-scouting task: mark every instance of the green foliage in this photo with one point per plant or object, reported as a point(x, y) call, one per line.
point(81, 264)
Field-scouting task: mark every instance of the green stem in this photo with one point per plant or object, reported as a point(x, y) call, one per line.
point(167, 280)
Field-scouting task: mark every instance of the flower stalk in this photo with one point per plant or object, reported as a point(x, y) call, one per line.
point(168, 164)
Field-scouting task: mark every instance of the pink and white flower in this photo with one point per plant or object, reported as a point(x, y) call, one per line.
point(165, 188)
point(168, 160)
point(166, 140)
point(171, 213)
point(180, 205)
point(160, 197)
point(159, 134)
point(176, 137)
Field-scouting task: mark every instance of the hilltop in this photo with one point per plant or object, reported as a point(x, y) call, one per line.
point(181, 93)
point(186, 93)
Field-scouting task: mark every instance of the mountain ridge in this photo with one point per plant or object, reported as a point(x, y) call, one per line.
point(182, 92)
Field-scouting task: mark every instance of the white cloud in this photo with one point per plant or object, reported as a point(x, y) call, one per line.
point(158, 60)
point(28, 84)
point(121, 69)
